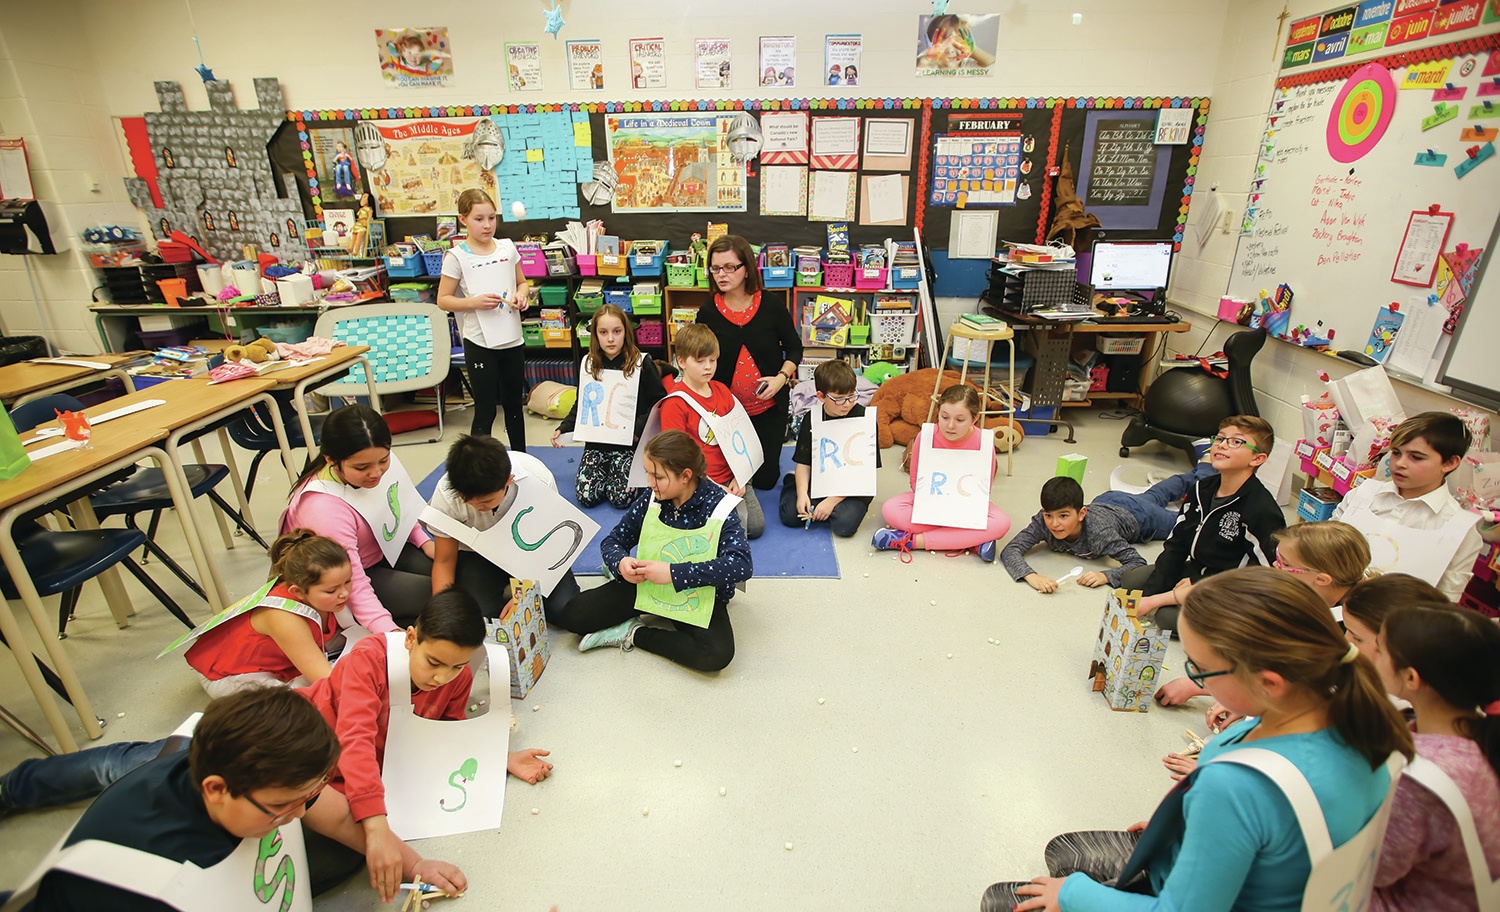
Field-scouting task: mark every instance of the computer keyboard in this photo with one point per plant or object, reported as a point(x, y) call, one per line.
point(1143, 318)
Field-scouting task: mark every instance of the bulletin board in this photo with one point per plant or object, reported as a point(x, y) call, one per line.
point(1365, 194)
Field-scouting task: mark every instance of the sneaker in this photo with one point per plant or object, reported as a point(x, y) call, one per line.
point(621, 635)
point(893, 540)
point(987, 552)
point(1201, 446)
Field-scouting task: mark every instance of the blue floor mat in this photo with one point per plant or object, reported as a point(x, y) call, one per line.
point(782, 552)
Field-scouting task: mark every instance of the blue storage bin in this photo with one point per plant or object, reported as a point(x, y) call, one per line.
point(906, 276)
point(648, 264)
point(620, 297)
point(405, 267)
point(777, 276)
point(1036, 428)
point(1317, 504)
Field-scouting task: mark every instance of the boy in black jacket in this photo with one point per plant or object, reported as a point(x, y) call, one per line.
point(1227, 521)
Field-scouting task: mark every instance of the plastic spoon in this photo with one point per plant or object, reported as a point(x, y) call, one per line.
point(1070, 574)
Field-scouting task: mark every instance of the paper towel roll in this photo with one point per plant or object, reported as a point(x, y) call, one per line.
point(212, 278)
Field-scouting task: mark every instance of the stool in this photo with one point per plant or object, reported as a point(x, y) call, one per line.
point(998, 333)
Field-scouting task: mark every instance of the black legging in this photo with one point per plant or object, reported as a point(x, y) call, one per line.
point(498, 377)
point(770, 428)
point(708, 648)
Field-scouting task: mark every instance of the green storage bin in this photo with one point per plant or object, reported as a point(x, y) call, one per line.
point(859, 334)
point(682, 275)
point(583, 336)
point(702, 276)
point(554, 295)
point(532, 334)
point(588, 303)
point(645, 303)
point(810, 279)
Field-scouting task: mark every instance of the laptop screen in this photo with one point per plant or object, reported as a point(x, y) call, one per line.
point(1130, 265)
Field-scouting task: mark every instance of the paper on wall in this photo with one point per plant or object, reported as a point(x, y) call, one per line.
point(1420, 333)
point(887, 203)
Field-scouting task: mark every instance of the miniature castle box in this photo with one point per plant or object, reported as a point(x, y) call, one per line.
point(1128, 656)
point(522, 630)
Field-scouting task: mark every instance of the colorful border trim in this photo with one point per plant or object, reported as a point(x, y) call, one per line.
point(614, 107)
point(1473, 45)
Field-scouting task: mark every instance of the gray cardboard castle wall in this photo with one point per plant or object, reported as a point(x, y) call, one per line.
point(214, 173)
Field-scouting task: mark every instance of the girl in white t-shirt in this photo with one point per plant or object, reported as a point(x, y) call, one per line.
point(482, 283)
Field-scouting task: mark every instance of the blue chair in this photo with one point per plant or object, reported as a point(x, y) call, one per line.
point(255, 432)
point(144, 491)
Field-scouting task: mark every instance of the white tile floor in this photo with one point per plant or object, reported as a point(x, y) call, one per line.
point(920, 780)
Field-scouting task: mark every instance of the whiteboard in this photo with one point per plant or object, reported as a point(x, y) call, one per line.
point(1330, 229)
point(1471, 363)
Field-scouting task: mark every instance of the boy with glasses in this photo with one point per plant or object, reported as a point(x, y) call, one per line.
point(1226, 521)
point(837, 394)
point(215, 826)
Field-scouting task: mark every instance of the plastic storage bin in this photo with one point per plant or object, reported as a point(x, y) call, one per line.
point(554, 295)
point(1317, 504)
point(906, 276)
point(433, 260)
point(838, 275)
point(557, 338)
point(588, 264)
point(809, 279)
point(406, 267)
point(1036, 428)
point(645, 303)
point(1121, 345)
point(893, 329)
point(777, 276)
point(618, 296)
point(613, 264)
point(870, 278)
point(682, 275)
point(531, 332)
point(533, 264)
point(648, 264)
point(588, 301)
point(650, 332)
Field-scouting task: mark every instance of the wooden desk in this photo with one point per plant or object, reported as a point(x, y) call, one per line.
point(300, 378)
point(1055, 344)
point(116, 445)
point(28, 380)
point(117, 323)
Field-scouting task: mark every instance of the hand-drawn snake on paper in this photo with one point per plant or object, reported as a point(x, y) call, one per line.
point(393, 497)
point(523, 544)
point(466, 772)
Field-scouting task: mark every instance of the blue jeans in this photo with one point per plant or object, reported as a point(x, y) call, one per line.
point(1150, 507)
point(66, 778)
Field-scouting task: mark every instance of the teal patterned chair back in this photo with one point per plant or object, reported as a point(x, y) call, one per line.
point(409, 347)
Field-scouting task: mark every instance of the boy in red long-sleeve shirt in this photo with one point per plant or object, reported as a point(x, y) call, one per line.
point(355, 700)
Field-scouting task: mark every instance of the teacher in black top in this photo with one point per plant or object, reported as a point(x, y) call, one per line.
point(759, 347)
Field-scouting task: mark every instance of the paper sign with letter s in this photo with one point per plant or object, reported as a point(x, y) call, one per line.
point(539, 533)
point(953, 486)
point(843, 456)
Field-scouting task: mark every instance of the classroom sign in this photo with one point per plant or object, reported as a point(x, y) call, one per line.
point(675, 162)
point(425, 169)
point(980, 162)
point(953, 486)
point(843, 456)
point(606, 405)
point(1353, 30)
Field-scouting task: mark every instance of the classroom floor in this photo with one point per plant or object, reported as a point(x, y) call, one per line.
point(875, 750)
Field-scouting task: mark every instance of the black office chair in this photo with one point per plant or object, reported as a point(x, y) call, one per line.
point(255, 432)
point(145, 491)
point(1185, 404)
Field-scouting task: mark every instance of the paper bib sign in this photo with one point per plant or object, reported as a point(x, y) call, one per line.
point(843, 456)
point(493, 273)
point(538, 535)
point(733, 434)
point(390, 508)
point(606, 407)
point(953, 486)
point(1394, 548)
point(444, 778)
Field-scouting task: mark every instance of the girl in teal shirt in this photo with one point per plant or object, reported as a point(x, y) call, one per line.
point(1225, 838)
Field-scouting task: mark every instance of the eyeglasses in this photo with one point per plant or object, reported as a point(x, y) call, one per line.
point(305, 802)
point(726, 270)
point(1280, 564)
point(1198, 675)
point(841, 400)
point(1234, 443)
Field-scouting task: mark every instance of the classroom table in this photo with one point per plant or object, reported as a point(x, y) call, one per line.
point(116, 445)
point(27, 380)
point(302, 377)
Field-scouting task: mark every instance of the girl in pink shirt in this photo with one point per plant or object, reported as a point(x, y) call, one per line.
point(356, 452)
point(1446, 662)
point(958, 410)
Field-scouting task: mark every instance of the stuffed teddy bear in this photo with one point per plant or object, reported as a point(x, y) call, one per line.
point(902, 403)
point(260, 350)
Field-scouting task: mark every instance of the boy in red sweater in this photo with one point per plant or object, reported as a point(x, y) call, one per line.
point(355, 700)
point(698, 356)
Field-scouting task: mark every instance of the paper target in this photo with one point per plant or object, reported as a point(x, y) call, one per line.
point(1361, 112)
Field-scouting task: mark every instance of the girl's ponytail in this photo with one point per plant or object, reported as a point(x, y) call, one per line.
point(1457, 654)
point(1260, 619)
point(301, 557)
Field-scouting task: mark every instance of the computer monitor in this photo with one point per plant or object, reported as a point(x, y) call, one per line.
point(1130, 265)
